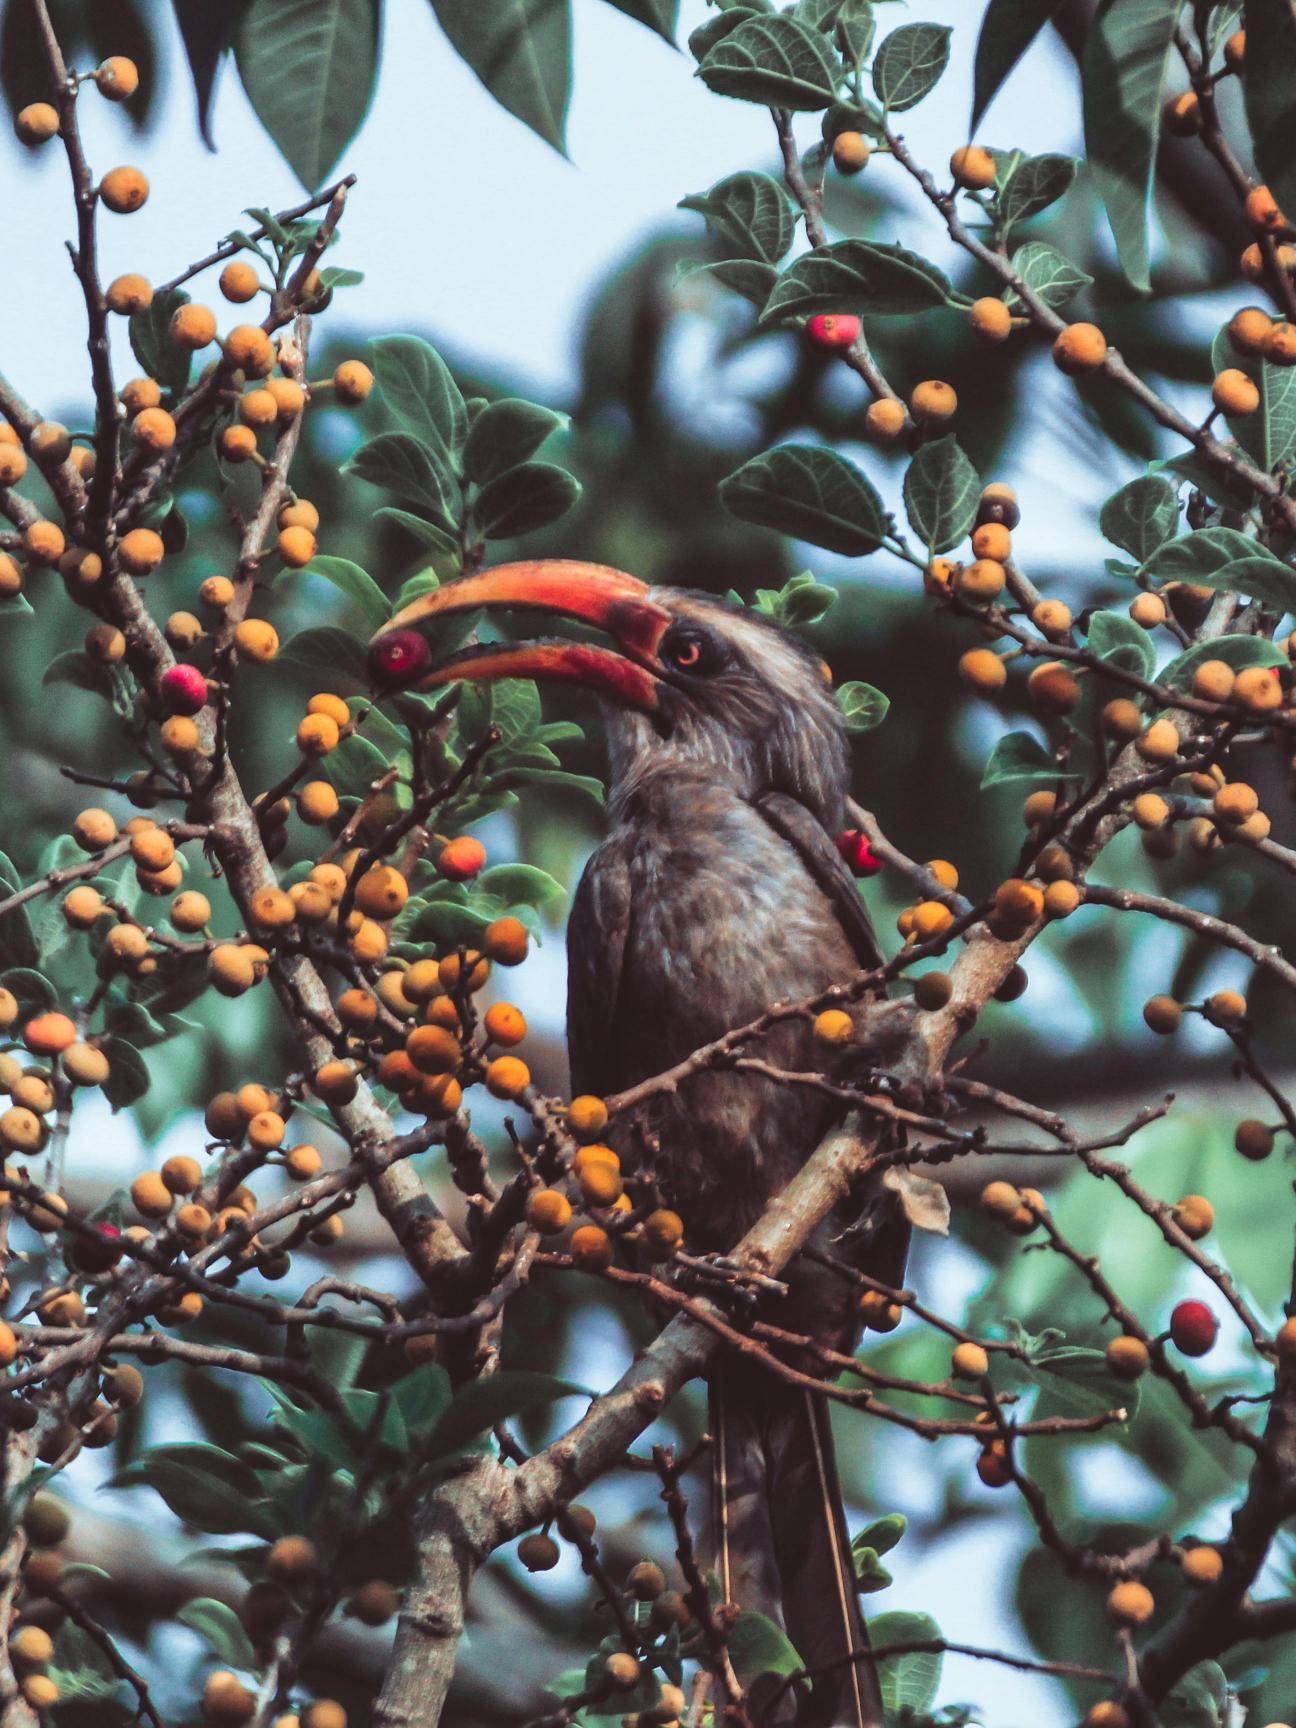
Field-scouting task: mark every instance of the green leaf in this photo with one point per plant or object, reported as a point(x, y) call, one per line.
point(308, 67)
point(425, 582)
point(1126, 63)
point(1019, 757)
point(941, 491)
point(856, 28)
point(521, 51)
point(357, 584)
point(1007, 31)
point(519, 885)
point(152, 345)
point(1047, 273)
point(128, 1075)
point(504, 434)
point(883, 1534)
point(327, 651)
point(404, 465)
point(909, 1683)
point(429, 537)
point(523, 498)
point(863, 706)
point(17, 944)
point(870, 1573)
point(750, 212)
point(1269, 435)
point(810, 493)
point(482, 1403)
point(354, 766)
point(417, 389)
point(659, 15)
point(1201, 1699)
point(1225, 559)
point(35, 993)
point(772, 60)
point(221, 1627)
point(1141, 516)
point(800, 602)
point(857, 276)
point(206, 35)
point(1269, 86)
point(1118, 639)
point(203, 1485)
point(744, 275)
point(1032, 184)
point(909, 64)
point(702, 40)
point(1235, 651)
point(757, 1646)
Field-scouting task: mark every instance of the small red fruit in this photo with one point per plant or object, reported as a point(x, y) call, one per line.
point(860, 857)
point(833, 329)
point(399, 660)
point(184, 690)
point(462, 859)
point(1193, 1328)
point(97, 1249)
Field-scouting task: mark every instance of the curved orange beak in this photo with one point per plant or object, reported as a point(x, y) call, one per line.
point(613, 602)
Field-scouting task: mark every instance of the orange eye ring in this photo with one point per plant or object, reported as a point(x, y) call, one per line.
point(687, 653)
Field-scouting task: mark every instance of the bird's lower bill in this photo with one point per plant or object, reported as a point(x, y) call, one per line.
point(400, 656)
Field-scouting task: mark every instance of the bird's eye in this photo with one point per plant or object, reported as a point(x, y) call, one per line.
point(688, 651)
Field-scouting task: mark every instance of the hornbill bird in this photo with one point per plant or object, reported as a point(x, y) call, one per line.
point(717, 891)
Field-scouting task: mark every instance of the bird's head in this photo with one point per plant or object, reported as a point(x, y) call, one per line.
point(687, 678)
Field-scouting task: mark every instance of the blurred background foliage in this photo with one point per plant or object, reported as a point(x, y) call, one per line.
point(676, 389)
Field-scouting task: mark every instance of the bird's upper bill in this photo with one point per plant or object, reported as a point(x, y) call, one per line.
point(402, 658)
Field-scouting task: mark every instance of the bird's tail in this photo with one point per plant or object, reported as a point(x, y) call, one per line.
point(781, 1544)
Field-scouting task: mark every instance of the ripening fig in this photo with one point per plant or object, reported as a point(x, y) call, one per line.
point(885, 419)
point(1193, 1328)
point(973, 168)
point(1130, 1603)
point(1080, 348)
point(399, 659)
point(832, 330)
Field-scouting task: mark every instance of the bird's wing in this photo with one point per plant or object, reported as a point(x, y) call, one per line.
point(827, 868)
point(596, 940)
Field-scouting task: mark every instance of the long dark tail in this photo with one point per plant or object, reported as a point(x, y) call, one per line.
point(781, 1544)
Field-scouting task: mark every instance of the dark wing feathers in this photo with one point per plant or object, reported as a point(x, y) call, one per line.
point(828, 869)
point(596, 941)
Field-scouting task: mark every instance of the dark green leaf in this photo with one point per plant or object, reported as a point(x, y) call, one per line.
point(330, 652)
point(909, 1683)
point(151, 343)
point(221, 1627)
point(801, 601)
point(856, 276)
point(357, 584)
point(35, 993)
point(521, 51)
point(702, 40)
point(1047, 273)
point(1126, 63)
point(1007, 31)
point(1141, 516)
point(1235, 651)
point(941, 492)
point(402, 464)
point(1269, 435)
point(354, 766)
point(1269, 84)
point(863, 117)
point(870, 1573)
point(863, 706)
point(659, 15)
point(744, 275)
point(482, 1403)
point(203, 1485)
point(519, 885)
point(504, 434)
point(1201, 1699)
point(334, 277)
point(757, 1646)
point(1033, 184)
point(308, 67)
point(1206, 477)
point(417, 389)
point(17, 944)
point(128, 1075)
point(206, 28)
point(422, 1398)
point(528, 497)
point(429, 537)
point(426, 582)
point(856, 28)
point(909, 64)
point(1019, 757)
point(1118, 639)
point(810, 493)
point(750, 213)
point(1225, 559)
point(772, 60)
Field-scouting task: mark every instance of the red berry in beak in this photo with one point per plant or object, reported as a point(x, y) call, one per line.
point(1193, 1328)
point(184, 690)
point(860, 857)
point(399, 659)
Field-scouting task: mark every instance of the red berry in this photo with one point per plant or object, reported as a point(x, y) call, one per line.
point(461, 859)
point(833, 329)
point(1193, 1328)
point(859, 855)
point(97, 1252)
point(399, 659)
point(184, 690)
